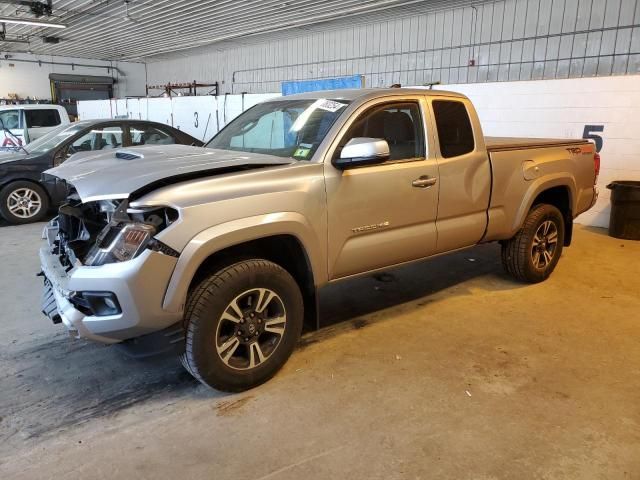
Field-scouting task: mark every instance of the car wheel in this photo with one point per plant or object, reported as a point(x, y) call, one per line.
point(23, 202)
point(242, 324)
point(533, 253)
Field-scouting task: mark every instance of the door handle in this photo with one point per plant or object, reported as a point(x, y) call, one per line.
point(424, 182)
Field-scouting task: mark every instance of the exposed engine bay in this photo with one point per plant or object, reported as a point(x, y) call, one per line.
point(107, 231)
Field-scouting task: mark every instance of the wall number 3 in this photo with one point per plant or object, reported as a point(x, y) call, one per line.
point(590, 132)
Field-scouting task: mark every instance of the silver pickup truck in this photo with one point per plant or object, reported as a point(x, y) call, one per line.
point(220, 251)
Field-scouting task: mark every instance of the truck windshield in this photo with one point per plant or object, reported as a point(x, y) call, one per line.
point(286, 128)
point(52, 139)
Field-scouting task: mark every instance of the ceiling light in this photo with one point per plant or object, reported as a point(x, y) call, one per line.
point(12, 40)
point(30, 21)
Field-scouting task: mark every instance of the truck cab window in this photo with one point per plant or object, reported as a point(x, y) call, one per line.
point(400, 124)
point(42, 118)
point(268, 132)
point(454, 128)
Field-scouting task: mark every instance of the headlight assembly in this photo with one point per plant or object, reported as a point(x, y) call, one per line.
point(119, 243)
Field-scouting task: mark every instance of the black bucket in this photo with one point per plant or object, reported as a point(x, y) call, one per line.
point(625, 209)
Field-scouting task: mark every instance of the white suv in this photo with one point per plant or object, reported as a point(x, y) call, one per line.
point(28, 122)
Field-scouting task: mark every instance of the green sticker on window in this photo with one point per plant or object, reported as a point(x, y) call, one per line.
point(302, 152)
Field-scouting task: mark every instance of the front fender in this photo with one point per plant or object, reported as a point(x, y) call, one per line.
point(8, 176)
point(236, 232)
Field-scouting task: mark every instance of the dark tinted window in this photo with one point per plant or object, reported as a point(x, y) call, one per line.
point(42, 118)
point(454, 128)
point(398, 123)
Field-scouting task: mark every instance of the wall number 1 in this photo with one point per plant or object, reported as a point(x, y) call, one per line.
point(590, 132)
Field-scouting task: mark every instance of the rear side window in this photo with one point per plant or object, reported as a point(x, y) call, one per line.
point(149, 135)
point(454, 128)
point(42, 118)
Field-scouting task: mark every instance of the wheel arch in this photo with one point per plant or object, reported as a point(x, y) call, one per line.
point(559, 197)
point(8, 181)
point(290, 246)
point(558, 191)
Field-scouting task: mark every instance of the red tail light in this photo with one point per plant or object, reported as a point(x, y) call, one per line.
point(596, 166)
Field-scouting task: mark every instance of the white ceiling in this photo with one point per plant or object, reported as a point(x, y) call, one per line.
point(101, 29)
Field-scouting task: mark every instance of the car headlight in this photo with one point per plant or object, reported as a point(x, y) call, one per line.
point(119, 243)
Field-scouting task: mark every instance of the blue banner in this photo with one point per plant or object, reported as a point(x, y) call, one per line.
point(290, 88)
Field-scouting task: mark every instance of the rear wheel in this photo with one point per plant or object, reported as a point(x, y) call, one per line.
point(533, 253)
point(242, 324)
point(23, 202)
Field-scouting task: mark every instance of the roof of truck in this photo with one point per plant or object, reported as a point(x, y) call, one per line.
point(358, 93)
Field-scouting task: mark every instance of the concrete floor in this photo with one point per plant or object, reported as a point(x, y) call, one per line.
point(446, 369)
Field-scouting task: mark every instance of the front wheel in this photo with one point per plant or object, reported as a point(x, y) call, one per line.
point(242, 324)
point(533, 253)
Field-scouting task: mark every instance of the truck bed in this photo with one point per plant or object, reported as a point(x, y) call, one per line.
point(519, 163)
point(495, 144)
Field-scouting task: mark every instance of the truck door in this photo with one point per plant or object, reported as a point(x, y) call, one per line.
point(465, 174)
point(385, 214)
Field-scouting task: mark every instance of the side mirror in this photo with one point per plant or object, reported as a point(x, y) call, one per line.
point(362, 151)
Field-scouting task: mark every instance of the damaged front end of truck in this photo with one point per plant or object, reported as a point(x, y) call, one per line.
point(90, 269)
point(106, 231)
point(106, 269)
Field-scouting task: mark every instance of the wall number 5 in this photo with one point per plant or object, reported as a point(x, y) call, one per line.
point(590, 132)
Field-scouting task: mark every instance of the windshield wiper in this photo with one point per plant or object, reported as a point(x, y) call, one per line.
point(19, 141)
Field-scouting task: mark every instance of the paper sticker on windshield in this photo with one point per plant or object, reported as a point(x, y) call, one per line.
point(329, 105)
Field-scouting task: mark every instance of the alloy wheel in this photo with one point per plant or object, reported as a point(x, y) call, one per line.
point(251, 328)
point(544, 246)
point(24, 203)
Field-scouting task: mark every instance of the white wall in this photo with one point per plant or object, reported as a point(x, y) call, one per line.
point(200, 117)
point(562, 108)
point(32, 80)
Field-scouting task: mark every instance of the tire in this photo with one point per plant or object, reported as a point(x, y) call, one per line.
point(519, 253)
point(215, 330)
point(33, 210)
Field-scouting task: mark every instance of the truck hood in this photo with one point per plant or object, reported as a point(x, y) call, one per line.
point(119, 173)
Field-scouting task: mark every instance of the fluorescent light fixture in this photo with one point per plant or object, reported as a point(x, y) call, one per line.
point(30, 21)
point(12, 40)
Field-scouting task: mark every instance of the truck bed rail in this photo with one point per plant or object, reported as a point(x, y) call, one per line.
point(496, 144)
